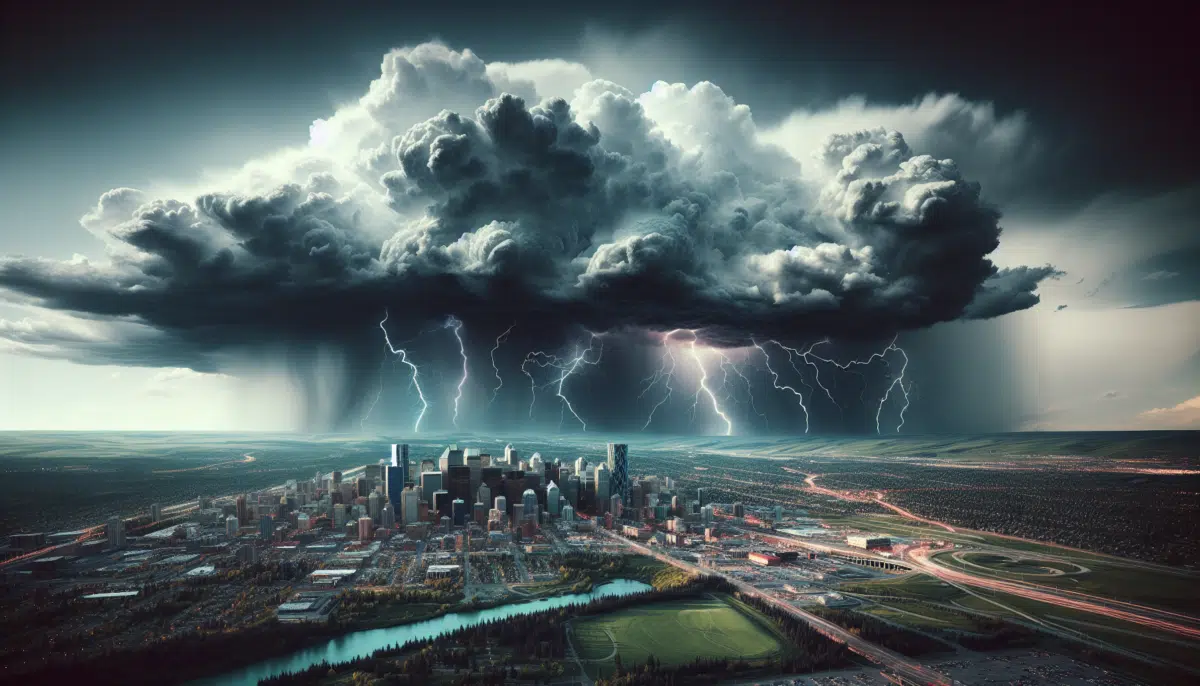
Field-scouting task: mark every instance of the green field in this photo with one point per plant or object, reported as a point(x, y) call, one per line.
point(922, 615)
point(675, 632)
point(915, 586)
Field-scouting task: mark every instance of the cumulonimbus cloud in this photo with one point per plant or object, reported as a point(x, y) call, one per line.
point(452, 187)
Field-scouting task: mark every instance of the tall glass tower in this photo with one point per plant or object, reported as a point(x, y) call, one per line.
point(618, 468)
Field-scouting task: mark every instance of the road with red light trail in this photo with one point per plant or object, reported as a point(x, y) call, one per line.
point(1144, 616)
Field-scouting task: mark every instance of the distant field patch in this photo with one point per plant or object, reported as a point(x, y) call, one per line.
point(1018, 566)
point(676, 632)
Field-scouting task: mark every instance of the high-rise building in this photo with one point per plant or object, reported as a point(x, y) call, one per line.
point(441, 503)
point(459, 483)
point(458, 512)
point(400, 455)
point(303, 523)
point(739, 510)
point(518, 514)
point(537, 465)
point(483, 494)
point(568, 513)
point(394, 481)
point(366, 529)
point(529, 500)
point(431, 482)
point(336, 478)
point(501, 503)
point(387, 518)
point(155, 512)
point(115, 530)
point(779, 513)
point(510, 455)
point(552, 494)
point(243, 511)
point(581, 468)
point(475, 464)
point(618, 465)
point(479, 513)
point(375, 506)
point(706, 514)
point(603, 479)
point(572, 490)
point(266, 528)
point(428, 465)
point(514, 486)
point(410, 502)
point(615, 505)
point(493, 477)
point(339, 516)
point(231, 526)
point(700, 493)
point(451, 457)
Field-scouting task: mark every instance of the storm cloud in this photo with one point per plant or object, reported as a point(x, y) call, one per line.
point(452, 187)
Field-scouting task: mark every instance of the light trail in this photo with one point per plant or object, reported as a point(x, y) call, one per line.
point(455, 324)
point(499, 380)
point(403, 355)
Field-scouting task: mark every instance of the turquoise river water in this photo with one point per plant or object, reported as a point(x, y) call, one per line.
point(363, 643)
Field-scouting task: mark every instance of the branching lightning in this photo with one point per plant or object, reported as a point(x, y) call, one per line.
point(565, 368)
point(664, 373)
point(455, 324)
point(403, 355)
point(809, 356)
point(704, 387)
point(783, 387)
point(499, 380)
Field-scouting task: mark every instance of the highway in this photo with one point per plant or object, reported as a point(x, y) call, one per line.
point(877, 654)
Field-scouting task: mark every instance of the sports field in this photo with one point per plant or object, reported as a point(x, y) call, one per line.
point(675, 632)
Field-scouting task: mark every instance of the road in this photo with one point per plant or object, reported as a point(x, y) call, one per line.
point(877, 654)
point(1129, 612)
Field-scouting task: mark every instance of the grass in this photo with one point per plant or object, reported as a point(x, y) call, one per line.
point(676, 633)
point(915, 586)
point(921, 615)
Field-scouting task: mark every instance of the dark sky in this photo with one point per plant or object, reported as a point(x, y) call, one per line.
point(129, 94)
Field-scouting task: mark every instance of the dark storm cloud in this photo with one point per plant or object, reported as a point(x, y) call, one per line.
point(559, 215)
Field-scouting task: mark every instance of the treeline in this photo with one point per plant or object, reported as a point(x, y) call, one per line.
point(881, 633)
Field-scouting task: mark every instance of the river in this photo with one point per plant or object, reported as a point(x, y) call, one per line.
point(364, 643)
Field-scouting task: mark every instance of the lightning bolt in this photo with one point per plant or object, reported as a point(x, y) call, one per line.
point(565, 368)
point(809, 355)
point(403, 355)
point(378, 394)
point(455, 324)
point(726, 362)
point(499, 380)
point(783, 387)
point(704, 387)
point(664, 373)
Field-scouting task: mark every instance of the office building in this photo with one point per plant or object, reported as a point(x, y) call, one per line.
point(366, 529)
point(475, 465)
point(459, 483)
point(243, 510)
point(483, 494)
point(568, 513)
point(603, 479)
point(441, 503)
point(387, 518)
point(529, 500)
point(739, 510)
point(618, 467)
point(431, 482)
point(518, 514)
point(706, 514)
point(458, 512)
point(510, 455)
point(700, 493)
point(394, 481)
point(514, 486)
point(231, 526)
point(493, 477)
point(266, 528)
point(410, 503)
point(375, 506)
point(400, 455)
point(581, 468)
point(302, 522)
point(552, 495)
point(339, 516)
point(115, 530)
point(778, 513)
point(615, 507)
point(479, 513)
point(537, 465)
point(155, 512)
point(571, 492)
point(869, 542)
point(428, 465)
point(451, 457)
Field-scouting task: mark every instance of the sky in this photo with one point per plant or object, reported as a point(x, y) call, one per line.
point(208, 209)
